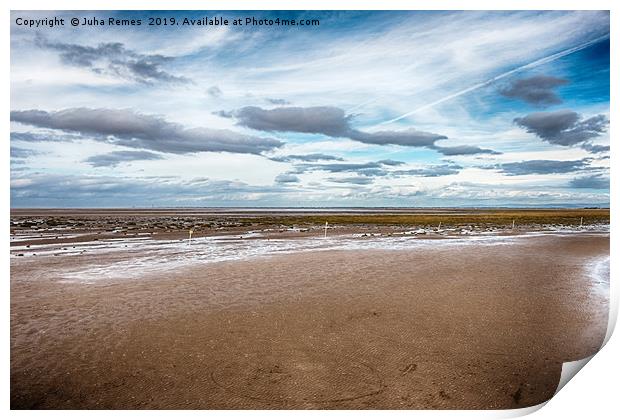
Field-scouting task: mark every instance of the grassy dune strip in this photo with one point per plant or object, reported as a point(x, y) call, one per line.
point(525, 217)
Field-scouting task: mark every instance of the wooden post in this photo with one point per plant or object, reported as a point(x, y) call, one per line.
point(439, 227)
point(190, 236)
point(513, 225)
point(325, 236)
point(581, 222)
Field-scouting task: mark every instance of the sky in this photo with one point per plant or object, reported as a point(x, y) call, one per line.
point(377, 109)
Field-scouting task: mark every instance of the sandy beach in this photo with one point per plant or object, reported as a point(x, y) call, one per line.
point(450, 323)
point(308, 209)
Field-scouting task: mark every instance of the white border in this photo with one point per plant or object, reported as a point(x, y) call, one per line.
point(312, 5)
point(592, 394)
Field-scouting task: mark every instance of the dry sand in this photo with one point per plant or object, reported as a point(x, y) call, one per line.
point(436, 327)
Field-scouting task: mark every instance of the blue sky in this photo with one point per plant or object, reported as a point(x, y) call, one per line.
point(366, 109)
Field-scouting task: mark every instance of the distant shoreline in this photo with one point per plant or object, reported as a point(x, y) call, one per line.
point(171, 220)
point(305, 208)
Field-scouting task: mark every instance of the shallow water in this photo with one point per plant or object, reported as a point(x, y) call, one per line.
point(599, 272)
point(132, 257)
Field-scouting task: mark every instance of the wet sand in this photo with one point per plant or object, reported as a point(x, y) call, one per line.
point(433, 327)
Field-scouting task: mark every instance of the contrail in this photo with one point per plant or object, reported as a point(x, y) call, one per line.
point(348, 111)
point(533, 64)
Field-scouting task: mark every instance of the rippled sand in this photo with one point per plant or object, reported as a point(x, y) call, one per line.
point(393, 324)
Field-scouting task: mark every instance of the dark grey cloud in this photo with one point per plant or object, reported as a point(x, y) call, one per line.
point(536, 90)
point(326, 120)
point(286, 178)
point(372, 172)
point(541, 167)
point(276, 101)
point(214, 91)
point(128, 128)
point(357, 180)
point(378, 169)
point(18, 152)
point(114, 158)
point(595, 148)
point(19, 158)
point(431, 171)
point(390, 162)
point(17, 162)
point(332, 121)
point(597, 182)
point(464, 150)
point(312, 157)
point(112, 58)
point(28, 136)
point(410, 137)
point(223, 114)
point(563, 127)
point(365, 169)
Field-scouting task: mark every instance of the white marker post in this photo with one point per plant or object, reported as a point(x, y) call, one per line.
point(513, 225)
point(190, 236)
point(581, 223)
point(325, 236)
point(439, 227)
